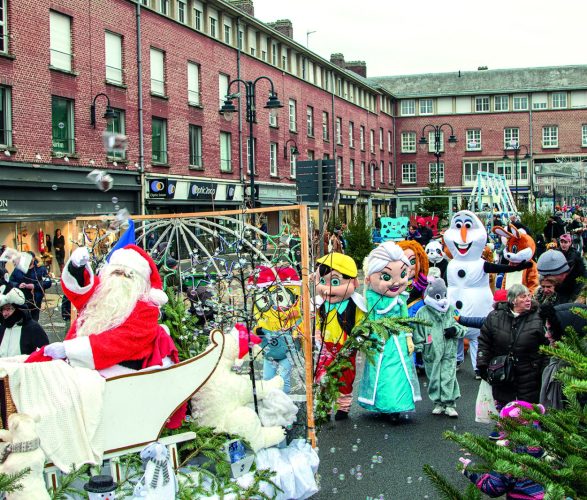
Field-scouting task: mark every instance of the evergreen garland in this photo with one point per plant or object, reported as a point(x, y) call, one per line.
point(9, 483)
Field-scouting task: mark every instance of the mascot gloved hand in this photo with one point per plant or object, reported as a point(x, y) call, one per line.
point(410, 344)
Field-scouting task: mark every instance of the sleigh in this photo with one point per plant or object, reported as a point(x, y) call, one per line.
point(129, 417)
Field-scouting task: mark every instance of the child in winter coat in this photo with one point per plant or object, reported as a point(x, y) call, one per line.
point(438, 343)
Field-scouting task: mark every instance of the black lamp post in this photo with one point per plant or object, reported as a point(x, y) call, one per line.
point(373, 167)
point(293, 150)
point(437, 129)
point(109, 114)
point(516, 147)
point(228, 109)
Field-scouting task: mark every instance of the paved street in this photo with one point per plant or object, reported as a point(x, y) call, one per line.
point(403, 449)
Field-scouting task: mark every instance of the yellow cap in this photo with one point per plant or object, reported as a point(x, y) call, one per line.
point(341, 263)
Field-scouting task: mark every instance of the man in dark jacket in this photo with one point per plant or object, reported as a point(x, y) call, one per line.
point(553, 263)
point(19, 334)
point(425, 232)
point(33, 283)
point(555, 228)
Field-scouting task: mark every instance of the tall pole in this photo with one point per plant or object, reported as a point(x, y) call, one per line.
point(250, 103)
point(437, 154)
point(516, 152)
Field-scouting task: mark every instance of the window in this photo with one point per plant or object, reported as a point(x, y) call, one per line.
point(310, 154)
point(408, 173)
point(273, 120)
point(381, 172)
point(583, 135)
point(164, 7)
point(338, 130)
point(550, 136)
point(254, 155)
point(487, 166)
point(62, 125)
point(408, 107)
point(3, 26)
point(310, 120)
point(362, 173)
point(213, 23)
point(351, 135)
point(198, 13)
point(482, 104)
point(223, 81)
point(432, 173)
point(390, 173)
point(408, 142)
point(60, 40)
point(113, 46)
point(474, 140)
point(145, 2)
point(362, 137)
point(274, 54)
point(352, 172)
point(372, 167)
point(431, 142)
point(241, 40)
point(381, 139)
point(339, 170)
point(389, 141)
point(540, 100)
point(195, 138)
point(372, 140)
point(193, 83)
point(117, 126)
point(227, 33)
point(5, 117)
point(504, 168)
point(501, 103)
point(181, 11)
point(225, 152)
point(273, 159)
point(159, 140)
point(292, 116)
point(520, 102)
point(559, 100)
point(470, 169)
point(292, 162)
point(511, 138)
point(325, 127)
point(425, 106)
point(157, 72)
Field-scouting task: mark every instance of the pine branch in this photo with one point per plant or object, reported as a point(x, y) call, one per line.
point(9, 483)
point(447, 490)
point(65, 489)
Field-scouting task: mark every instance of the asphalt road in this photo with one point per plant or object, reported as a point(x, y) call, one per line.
point(390, 458)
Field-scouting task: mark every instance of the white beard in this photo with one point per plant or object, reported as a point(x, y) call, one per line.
point(112, 303)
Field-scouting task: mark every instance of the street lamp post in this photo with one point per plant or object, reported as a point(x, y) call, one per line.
point(109, 114)
point(228, 109)
point(516, 147)
point(437, 129)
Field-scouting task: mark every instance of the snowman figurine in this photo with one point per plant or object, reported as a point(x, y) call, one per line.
point(468, 274)
point(101, 488)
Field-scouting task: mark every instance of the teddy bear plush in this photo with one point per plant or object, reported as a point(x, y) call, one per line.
point(21, 450)
point(222, 402)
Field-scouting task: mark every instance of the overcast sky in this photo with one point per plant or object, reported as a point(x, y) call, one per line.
point(427, 36)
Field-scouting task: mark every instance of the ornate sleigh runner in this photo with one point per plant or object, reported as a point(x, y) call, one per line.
point(124, 399)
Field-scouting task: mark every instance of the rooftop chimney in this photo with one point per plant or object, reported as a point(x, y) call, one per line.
point(337, 59)
point(245, 5)
point(358, 67)
point(284, 26)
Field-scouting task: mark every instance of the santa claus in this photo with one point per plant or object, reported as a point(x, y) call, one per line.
point(117, 328)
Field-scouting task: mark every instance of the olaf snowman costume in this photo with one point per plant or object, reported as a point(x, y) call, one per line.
point(468, 274)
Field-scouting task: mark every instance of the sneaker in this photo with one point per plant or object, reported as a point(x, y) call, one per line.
point(451, 412)
point(438, 410)
point(341, 415)
point(496, 435)
point(459, 364)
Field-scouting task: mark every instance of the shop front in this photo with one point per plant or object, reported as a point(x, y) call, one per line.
point(346, 203)
point(272, 195)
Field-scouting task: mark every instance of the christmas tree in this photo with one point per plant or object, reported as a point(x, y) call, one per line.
point(560, 434)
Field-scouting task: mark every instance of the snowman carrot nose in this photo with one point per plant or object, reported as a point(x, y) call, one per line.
point(464, 233)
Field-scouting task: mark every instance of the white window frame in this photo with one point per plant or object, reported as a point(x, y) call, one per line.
point(389, 141)
point(198, 16)
point(473, 139)
point(310, 121)
point(164, 7)
point(339, 170)
point(351, 135)
point(181, 11)
point(372, 174)
point(292, 116)
point(193, 83)
point(470, 170)
point(431, 145)
point(113, 57)
point(254, 153)
point(225, 152)
point(518, 100)
point(372, 141)
point(408, 142)
point(325, 126)
point(584, 135)
point(195, 143)
point(60, 41)
point(559, 100)
point(4, 27)
point(499, 101)
point(157, 71)
point(381, 172)
point(223, 81)
point(339, 130)
point(432, 168)
point(164, 151)
point(227, 34)
point(6, 110)
point(292, 163)
point(510, 134)
point(550, 136)
point(426, 106)
point(482, 104)
point(273, 159)
point(120, 117)
point(363, 173)
point(380, 139)
point(362, 137)
point(352, 172)
point(409, 173)
point(408, 107)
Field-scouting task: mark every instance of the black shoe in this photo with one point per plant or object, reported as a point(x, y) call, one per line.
point(394, 418)
point(341, 415)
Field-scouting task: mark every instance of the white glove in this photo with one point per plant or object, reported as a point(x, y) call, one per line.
point(80, 257)
point(56, 350)
point(465, 462)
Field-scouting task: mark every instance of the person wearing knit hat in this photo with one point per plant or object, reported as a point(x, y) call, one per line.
point(19, 333)
point(338, 309)
point(389, 384)
point(553, 263)
point(117, 329)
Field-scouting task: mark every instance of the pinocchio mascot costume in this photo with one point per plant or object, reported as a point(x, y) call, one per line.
point(338, 309)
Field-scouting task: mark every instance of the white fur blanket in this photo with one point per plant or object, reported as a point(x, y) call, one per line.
point(69, 403)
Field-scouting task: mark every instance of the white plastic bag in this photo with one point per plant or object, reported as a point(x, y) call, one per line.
point(485, 405)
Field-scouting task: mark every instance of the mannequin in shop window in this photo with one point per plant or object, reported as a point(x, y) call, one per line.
point(59, 245)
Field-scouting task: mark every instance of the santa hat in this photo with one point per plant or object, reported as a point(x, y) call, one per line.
point(264, 277)
point(139, 261)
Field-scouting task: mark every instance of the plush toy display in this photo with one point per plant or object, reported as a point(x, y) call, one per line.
point(519, 247)
point(222, 402)
point(101, 487)
point(21, 450)
point(437, 257)
point(389, 384)
point(158, 481)
point(339, 309)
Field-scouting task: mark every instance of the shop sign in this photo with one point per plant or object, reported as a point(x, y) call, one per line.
point(162, 188)
point(3, 205)
point(202, 190)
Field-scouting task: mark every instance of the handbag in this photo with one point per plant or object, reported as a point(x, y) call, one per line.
point(501, 368)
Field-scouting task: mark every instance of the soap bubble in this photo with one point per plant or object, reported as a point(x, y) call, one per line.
point(359, 467)
point(355, 426)
point(352, 471)
point(355, 447)
point(334, 491)
point(379, 459)
point(386, 436)
point(341, 477)
point(359, 476)
point(420, 478)
point(381, 497)
point(374, 459)
point(358, 440)
point(333, 450)
point(98, 205)
point(372, 466)
point(409, 479)
point(335, 471)
point(116, 207)
point(114, 200)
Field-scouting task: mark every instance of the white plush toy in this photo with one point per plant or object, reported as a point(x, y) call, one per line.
point(158, 481)
point(22, 450)
point(222, 402)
